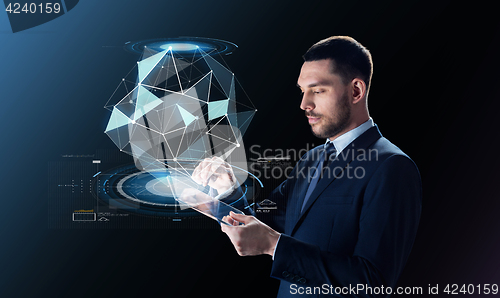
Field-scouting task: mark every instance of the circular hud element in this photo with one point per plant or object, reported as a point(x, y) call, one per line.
point(184, 46)
point(128, 189)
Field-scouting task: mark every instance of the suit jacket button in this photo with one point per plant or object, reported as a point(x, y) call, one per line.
point(302, 280)
point(296, 278)
point(286, 274)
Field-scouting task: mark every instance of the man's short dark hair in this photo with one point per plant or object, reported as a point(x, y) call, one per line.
point(351, 59)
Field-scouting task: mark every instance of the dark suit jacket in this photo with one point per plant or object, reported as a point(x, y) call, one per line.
point(357, 227)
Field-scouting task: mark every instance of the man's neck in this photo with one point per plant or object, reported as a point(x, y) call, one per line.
point(351, 126)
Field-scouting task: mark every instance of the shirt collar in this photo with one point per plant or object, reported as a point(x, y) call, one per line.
point(344, 140)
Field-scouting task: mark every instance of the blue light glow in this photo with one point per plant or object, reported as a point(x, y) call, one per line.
point(184, 45)
point(180, 47)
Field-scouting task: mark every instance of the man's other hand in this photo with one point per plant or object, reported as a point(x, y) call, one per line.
point(251, 239)
point(216, 173)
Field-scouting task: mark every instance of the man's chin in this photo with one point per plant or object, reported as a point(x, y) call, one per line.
point(317, 132)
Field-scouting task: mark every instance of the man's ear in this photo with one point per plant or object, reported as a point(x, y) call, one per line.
point(358, 90)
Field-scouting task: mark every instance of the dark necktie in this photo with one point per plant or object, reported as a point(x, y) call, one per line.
point(325, 158)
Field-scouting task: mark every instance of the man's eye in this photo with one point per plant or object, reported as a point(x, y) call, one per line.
point(318, 91)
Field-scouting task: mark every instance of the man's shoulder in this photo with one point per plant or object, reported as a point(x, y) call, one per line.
point(388, 153)
point(386, 148)
point(382, 147)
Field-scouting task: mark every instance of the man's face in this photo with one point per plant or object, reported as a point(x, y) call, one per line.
point(325, 98)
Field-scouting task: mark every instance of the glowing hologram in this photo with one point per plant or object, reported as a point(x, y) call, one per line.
point(177, 107)
point(217, 109)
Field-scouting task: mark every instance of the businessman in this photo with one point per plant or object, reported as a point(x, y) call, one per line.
point(352, 205)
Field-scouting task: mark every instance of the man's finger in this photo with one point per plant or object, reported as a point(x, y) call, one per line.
point(206, 172)
point(196, 176)
point(240, 217)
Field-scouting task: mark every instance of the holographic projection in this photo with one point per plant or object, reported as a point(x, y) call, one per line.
point(178, 106)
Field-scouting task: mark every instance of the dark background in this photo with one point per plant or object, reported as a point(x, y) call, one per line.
point(434, 94)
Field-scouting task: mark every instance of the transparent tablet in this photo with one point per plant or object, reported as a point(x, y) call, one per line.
point(207, 205)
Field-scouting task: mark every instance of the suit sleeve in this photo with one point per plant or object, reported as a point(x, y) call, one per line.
point(279, 195)
point(388, 224)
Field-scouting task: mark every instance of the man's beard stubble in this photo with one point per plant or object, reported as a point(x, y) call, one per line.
point(332, 127)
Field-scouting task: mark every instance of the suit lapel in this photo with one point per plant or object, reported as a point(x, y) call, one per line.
point(300, 188)
point(336, 168)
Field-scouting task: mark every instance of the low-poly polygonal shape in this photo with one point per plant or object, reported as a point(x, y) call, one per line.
point(176, 111)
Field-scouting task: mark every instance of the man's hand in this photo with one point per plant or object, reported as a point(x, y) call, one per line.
point(216, 173)
point(253, 238)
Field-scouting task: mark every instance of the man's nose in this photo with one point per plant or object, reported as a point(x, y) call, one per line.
point(307, 103)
